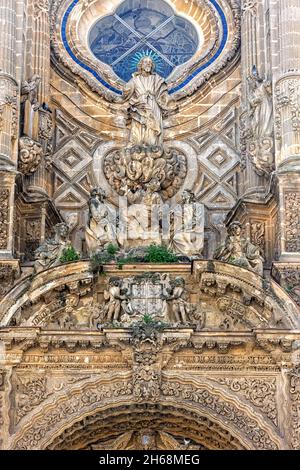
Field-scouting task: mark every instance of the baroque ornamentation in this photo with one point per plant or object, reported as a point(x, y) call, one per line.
point(288, 276)
point(30, 155)
point(10, 101)
point(41, 6)
point(127, 300)
point(260, 392)
point(294, 388)
point(32, 237)
point(287, 97)
point(30, 391)
point(4, 217)
point(202, 395)
point(8, 275)
point(292, 223)
point(239, 251)
point(139, 171)
point(83, 398)
point(249, 6)
point(49, 253)
point(46, 130)
point(146, 373)
point(257, 234)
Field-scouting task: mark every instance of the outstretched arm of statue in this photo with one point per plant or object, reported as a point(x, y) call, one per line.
point(127, 94)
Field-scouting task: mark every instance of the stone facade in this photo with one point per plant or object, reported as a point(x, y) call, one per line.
point(149, 227)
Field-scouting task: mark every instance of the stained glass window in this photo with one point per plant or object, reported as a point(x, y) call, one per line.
point(143, 27)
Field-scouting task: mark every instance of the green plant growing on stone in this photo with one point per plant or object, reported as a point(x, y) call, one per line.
point(147, 319)
point(160, 254)
point(69, 254)
point(112, 249)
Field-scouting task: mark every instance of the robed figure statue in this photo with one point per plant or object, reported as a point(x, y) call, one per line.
point(148, 101)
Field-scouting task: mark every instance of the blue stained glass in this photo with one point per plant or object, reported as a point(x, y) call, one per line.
point(128, 65)
point(139, 26)
point(163, 51)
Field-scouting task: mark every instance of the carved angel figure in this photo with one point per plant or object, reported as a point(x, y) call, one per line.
point(49, 253)
point(240, 251)
point(114, 297)
point(180, 306)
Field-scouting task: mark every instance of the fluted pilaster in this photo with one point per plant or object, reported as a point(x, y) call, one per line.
point(37, 183)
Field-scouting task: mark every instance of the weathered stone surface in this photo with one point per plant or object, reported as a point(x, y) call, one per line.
point(200, 345)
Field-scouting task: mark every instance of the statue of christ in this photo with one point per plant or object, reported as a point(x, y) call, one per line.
point(148, 101)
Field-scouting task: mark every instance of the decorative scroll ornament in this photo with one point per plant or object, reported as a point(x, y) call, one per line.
point(141, 171)
point(4, 217)
point(30, 155)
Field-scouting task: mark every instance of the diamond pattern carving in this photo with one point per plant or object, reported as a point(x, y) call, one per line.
point(70, 199)
point(219, 158)
point(219, 198)
point(71, 159)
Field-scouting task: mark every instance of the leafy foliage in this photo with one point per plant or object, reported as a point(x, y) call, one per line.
point(69, 254)
point(160, 254)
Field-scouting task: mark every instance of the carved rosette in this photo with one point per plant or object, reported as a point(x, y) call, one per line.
point(30, 155)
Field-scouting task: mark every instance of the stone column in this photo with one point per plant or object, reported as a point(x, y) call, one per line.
point(8, 125)
point(286, 76)
point(257, 157)
point(42, 126)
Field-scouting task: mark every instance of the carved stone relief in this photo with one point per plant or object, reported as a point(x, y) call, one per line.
point(8, 275)
point(4, 217)
point(30, 155)
point(128, 300)
point(256, 123)
point(260, 392)
point(239, 251)
point(32, 238)
point(292, 204)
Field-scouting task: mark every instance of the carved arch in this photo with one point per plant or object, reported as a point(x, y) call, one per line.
point(62, 411)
